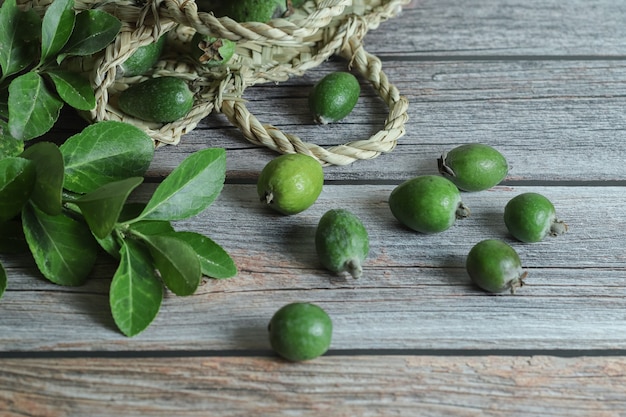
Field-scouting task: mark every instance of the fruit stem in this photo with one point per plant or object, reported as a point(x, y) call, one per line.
point(462, 211)
point(558, 228)
point(353, 266)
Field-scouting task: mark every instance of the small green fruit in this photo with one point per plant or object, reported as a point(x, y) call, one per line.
point(142, 59)
point(162, 99)
point(290, 183)
point(211, 51)
point(427, 204)
point(341, 242)
point(334, 97)
point(530, 217)
point(473, 167)
point(252, 10)
point(495, 266)
point(300, 331)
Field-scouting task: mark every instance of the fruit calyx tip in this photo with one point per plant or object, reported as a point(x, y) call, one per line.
point(462, 211)
point(518, 282)
point(353, 266)
point(444, 169)
point(558, 228)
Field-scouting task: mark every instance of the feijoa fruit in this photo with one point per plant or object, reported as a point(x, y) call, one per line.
point(427, 204)
point(341, 242)
point(211, 51)
point(290, 183)
point(530, 217)
point(474, 166)
point(495, 266)
point(144, 58)
point(334, 97)
point(300, 331)
point(160, 99)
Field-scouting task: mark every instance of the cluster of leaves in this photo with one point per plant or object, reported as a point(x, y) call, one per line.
point(66, 202)
point(34, 83)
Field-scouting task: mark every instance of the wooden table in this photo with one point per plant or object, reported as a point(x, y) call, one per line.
point(542, 81)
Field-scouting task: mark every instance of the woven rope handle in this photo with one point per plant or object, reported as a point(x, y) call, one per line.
point(385, 140)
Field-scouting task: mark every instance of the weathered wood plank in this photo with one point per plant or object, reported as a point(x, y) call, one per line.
point(539, 386)
point(414, 293)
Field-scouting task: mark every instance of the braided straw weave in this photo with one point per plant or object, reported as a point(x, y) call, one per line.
point(265, 52)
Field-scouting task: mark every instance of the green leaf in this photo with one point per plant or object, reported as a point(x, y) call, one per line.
point(74, 89)
point(214, 261)
point(3, 280)
point(17, 179)
point(176, 261)
point(102, 207)
point(12, 238)
point(18, 32)
point(9, 146)
point(105, 152)
point(93, 31)
point(33, 110)
point(63, 248)
point(56, 28)
point(190, 188)
point(49, 184)
point(136, 292)
point(151, 227)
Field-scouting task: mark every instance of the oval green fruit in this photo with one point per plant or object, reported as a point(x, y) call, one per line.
point(334, 97)
point(162, 99)
point(473, 167)
point(341, 242)
point(495, 266)
point(530, 217)
point(427, 204)
point(300, 331)
point(290, 183)
point(252, 10)
point(142, 59)
point(211, 51)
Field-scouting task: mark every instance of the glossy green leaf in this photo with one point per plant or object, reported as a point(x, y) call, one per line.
point(111, 244)
point(48, 188)
point(63, 248)
point(151, 227)
point(74, 89)
point(18, 32)
point(93, 30)
point(177, 263)
point(3, 280)
point(4, 102)
point(33, 110)
point(17, 179)
point(9, 146)
point(105, 152)
point(101, 208)
point(136, 293)
point(190, 188)
point(12, 238)
point(56, 27)
point(215, 262)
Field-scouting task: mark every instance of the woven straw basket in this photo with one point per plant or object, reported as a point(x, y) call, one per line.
point(271, 52)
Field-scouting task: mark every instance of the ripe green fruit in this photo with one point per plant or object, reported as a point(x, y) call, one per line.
point(427, 204)
point(252, 10)
point(530, 217)
point(495, 266)
point(334, 97)
point(162, 99)
point(300, 331)
point(142, 59)
point(473, 167)
point(341, 242)
point(291, 183)
point(211, 51)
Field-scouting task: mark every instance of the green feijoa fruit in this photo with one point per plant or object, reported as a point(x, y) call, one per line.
point(290, 183)
point(142, 59)
point(252, 10)
point(211, 51)
point(530, 217)
point(473, 167)
point(495, 266)
point(334, 97)
point(427, 204)
point(341, 242)
point(162, 99)
point(300, 331)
